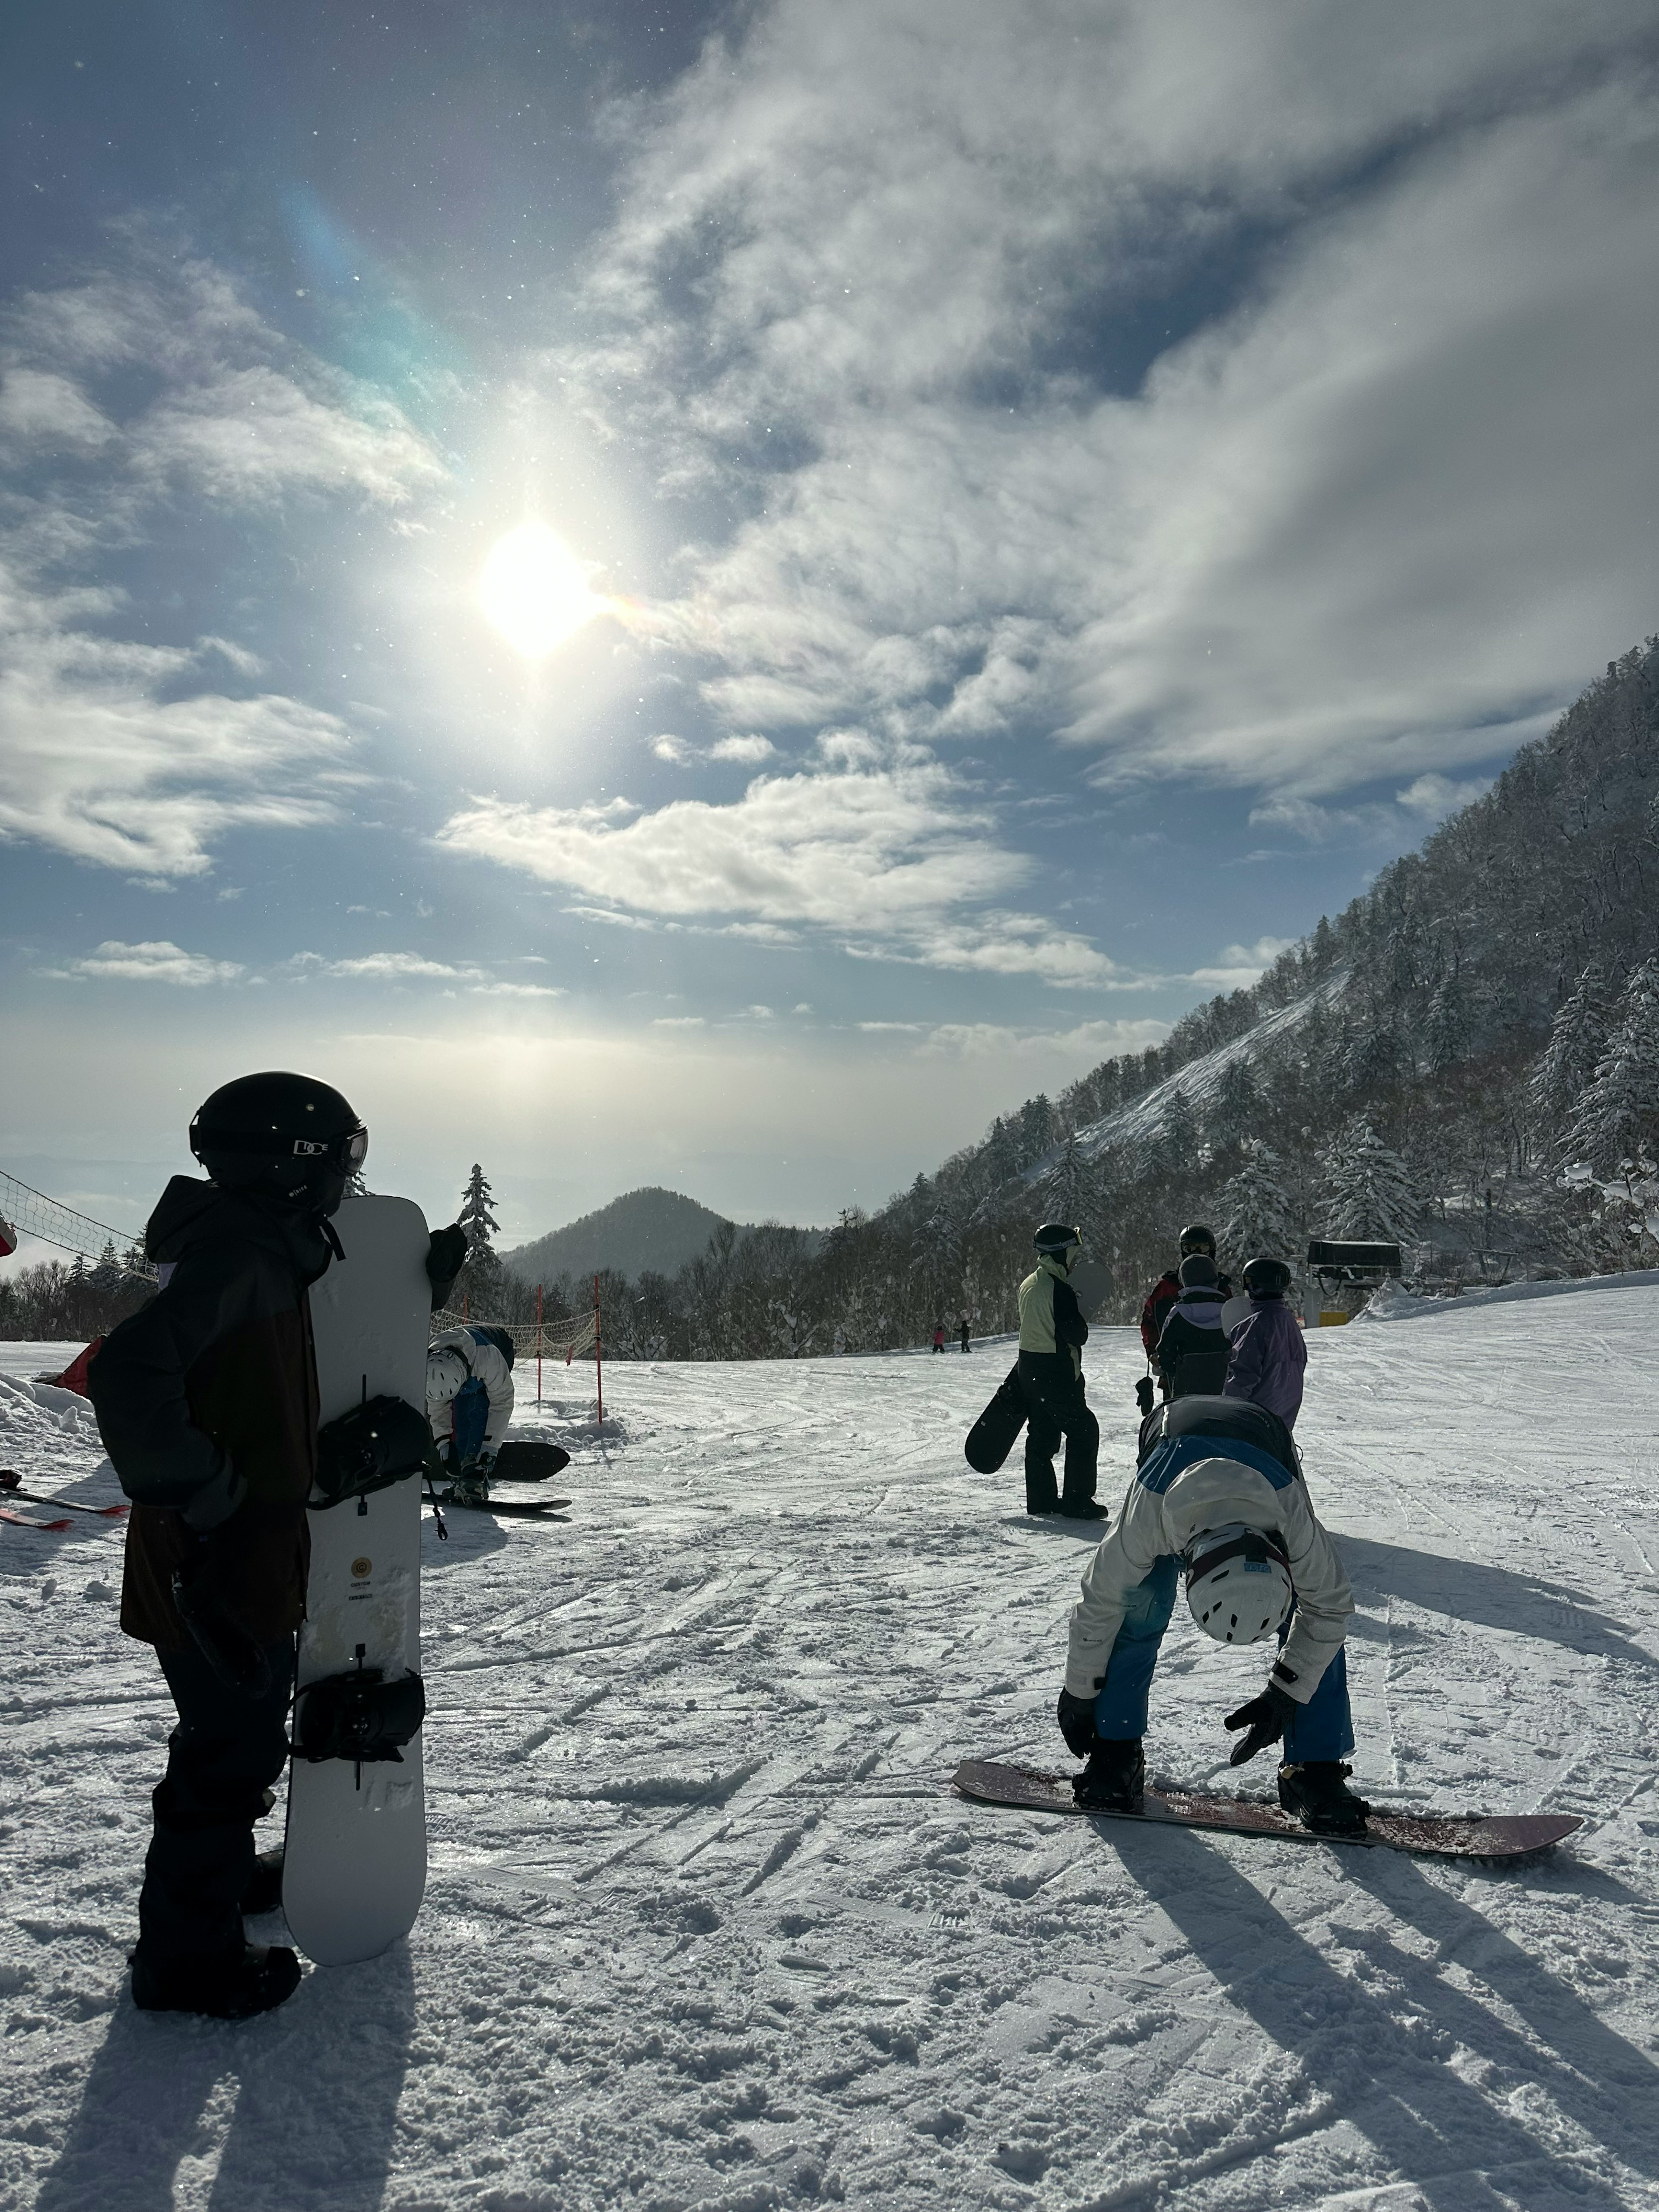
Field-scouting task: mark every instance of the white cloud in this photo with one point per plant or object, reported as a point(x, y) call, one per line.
point(385, 967)
point(675, 751)
point(1241, 965)
point(39, 407)
point(678, 1022)
point(155, 961)
point(1376, 519)
point(753, 750)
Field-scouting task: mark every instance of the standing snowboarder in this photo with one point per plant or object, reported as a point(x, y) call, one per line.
point(207, 1404)
point(1268, 1356)
point(1192, 1350)
point(1052, 1335)
point(962, 1332)
point(1218, 1499)
point(1195, 1241)
point(469, 1403)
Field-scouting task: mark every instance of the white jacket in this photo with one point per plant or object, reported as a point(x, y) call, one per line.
point(451, 1361)
point(1184, 1488)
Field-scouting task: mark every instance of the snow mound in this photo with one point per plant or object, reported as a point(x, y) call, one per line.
point(1394, 1303)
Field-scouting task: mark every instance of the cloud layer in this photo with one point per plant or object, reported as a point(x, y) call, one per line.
point(913, 282)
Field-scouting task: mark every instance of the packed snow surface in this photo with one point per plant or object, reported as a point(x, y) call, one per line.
point(705, 1928)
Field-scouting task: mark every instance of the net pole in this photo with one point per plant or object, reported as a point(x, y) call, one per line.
point(539, 1344)
point(599, 1351)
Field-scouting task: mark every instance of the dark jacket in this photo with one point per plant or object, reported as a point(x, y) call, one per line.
point(1156, 1311)
point(1192, 1351)
point(1268, 1360)
point(207, 1404)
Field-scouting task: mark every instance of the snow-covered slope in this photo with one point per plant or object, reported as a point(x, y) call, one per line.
point(703, 1929)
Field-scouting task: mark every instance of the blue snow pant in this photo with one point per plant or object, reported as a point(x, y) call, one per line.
point(470, 1412)
point(1321, 1729)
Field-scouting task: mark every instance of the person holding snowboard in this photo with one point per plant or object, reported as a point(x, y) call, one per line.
point(1195, 1241)
point(1268, 1356)
point(207, 1403)
point(1192, 1351)
point(469, 1403)
point(1219, 1503)
point(1052, 1335)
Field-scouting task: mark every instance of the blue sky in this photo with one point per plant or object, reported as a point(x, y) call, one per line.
point(1053, 496)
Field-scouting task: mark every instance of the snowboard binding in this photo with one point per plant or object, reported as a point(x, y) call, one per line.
point(375, 1445)
point(358, 1715)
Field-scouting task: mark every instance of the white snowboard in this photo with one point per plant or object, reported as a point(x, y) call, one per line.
point(354, 1866)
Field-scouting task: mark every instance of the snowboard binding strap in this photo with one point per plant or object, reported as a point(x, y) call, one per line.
point(358, 1715)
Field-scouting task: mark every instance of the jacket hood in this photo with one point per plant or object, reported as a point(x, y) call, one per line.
point(1201, 1303)
point(190, 1213)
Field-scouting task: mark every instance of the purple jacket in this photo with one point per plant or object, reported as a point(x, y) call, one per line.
point(1268, 1356)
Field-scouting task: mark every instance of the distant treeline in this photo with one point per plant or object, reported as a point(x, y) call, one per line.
point(61, 1300)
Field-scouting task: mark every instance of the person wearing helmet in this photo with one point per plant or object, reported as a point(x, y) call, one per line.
point(1192, 1346)
point(1268, 1356)
point(1052, 1335)
point(1217, 1502)
point(1196, 1240)
point(469, 1403)
point(207, 1404)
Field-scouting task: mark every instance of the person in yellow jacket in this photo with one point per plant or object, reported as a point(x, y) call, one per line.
point(1052, 1335)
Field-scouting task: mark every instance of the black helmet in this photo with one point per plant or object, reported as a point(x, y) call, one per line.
point(1198, 1271)
point(502, 1341)
point(1195, 1238)
point(287, 1136)
point(1267, 1278)
point(1056, 1237)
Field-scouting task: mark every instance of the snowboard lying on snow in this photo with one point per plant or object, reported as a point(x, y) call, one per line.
point(1437, 1835)
point(527, 1459)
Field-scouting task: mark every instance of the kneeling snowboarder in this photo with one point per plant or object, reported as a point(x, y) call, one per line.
point(469, 1403)
point(1219, 1501)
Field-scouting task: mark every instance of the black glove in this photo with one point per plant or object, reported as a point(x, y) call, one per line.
point(445, 1255)
point(1144, 1395)
point(1076, 1717)
point(235, 1656)
point(1266, 1718)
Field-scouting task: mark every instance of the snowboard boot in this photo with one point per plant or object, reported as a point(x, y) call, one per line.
point(264, 1892)
point(1115, 1778)
point(264, 1976)
point(469, 1488)
point(1317, 1792)
point(1083, 1508)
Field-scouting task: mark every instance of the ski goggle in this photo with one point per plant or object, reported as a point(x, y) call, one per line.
point(344, 1154)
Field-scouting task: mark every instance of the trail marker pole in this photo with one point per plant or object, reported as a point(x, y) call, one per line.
point(539, 1344)
point(599, 1351)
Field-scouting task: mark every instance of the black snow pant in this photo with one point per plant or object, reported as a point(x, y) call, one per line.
point(222, 1760)
point(1054, 1407)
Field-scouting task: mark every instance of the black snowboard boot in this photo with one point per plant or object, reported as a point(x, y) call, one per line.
point(264, 1892)
point(262, 1977)
point(1317, 1792)
point(1115, 1778)
point(1083, 1508)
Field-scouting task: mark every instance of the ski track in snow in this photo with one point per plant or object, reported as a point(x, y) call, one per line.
point(703, 1929)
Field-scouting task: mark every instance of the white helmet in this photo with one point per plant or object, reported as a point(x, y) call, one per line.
point(1238, 1582)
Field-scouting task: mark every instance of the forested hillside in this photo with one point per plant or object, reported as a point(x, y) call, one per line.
point(1467, 1059)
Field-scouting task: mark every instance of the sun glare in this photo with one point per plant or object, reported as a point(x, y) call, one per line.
point(535, 591)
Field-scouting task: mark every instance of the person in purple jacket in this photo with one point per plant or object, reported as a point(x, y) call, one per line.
point(1267, 1355)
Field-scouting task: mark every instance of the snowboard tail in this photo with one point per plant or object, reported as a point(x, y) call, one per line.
point(1436, 1835)
point(992, 1437)
point(529, 1460)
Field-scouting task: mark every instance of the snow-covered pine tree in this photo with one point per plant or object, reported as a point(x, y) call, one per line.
point(1565, 1068)
point(1237, 1107)
point(1068, 1188)
point(1616, 1127)
point(476, 1217)
point(1258, 1217)
point(1177, 1129)
point(1369, 1193)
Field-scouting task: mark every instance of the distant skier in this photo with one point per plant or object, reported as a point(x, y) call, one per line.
point(1267, 1355)
point(939, 1336)
point(1192, 1352)
point(1052, 1335)
point(1218, 1499)
point(206, 1401)
point(1195, 1241)
point(469, 1403)
point(962, 1331)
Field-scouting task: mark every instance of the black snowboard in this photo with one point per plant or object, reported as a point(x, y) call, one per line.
point(524, 1459)
point(522, 1509)
point(992, 1437)
point(1436, 1835)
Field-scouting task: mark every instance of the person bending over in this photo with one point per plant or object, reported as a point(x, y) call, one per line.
point(469, 1404)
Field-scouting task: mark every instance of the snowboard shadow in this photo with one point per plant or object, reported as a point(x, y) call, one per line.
point(1055, 1524)
point(1497, 1597)
point(316, 2086)
point(1380, 2061)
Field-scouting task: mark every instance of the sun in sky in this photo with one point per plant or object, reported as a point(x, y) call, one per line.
point(535, 591)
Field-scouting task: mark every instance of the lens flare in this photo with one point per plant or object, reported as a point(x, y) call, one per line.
point(535, 591)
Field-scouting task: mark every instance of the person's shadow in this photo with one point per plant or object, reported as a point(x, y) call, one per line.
point(1379, 2052)
point(1497, 1597)
point(315, 2084)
